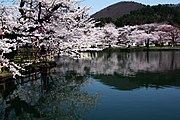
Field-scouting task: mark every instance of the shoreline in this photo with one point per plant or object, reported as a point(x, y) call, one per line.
point(37, 67)
point(5, 76)
point(30, 69)
point(132, 49)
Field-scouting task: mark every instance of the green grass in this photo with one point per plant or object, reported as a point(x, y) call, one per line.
point(141, 48)
point(3, 73)
point(164, 47)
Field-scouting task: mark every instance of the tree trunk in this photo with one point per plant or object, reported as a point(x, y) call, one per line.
point(39, 14)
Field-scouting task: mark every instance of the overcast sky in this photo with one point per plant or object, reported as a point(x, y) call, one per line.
point(100, 4)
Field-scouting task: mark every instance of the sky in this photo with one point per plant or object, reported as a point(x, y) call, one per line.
point(97, 5)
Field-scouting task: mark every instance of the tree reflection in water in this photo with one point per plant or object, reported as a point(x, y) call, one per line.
point(48, 98)
point(124, 63)
point(129, 70)
point(60, 96)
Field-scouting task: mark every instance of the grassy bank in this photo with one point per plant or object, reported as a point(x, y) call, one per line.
point(4, 76)
point(151, 48)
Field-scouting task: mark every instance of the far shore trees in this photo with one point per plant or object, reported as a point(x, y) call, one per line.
point(172, 32)
point(156, 34)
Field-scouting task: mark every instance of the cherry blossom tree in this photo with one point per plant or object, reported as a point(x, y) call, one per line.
point(8, 43)
point(58, 24)
point(154, 33)
point(137, 35)
point(172, 32)
point(64, 26)
point(111, 34)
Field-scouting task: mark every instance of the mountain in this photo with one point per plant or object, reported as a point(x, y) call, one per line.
point(132, 13)
point(117, 10)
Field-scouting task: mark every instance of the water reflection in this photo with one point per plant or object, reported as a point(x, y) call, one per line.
point(59, 95)
point(129, 70)
point(124, 63)
point(142, 79)
point(47, 97)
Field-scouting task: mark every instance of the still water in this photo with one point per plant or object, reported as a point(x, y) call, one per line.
point(105, 85)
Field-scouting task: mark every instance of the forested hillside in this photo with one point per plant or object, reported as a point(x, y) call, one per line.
point(151, 14)
point(169, 14)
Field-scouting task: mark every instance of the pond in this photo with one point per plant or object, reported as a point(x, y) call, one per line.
point(105, 85)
